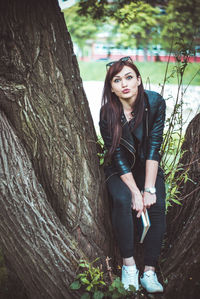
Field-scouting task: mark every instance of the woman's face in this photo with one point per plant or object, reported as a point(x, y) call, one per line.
point(125, 84)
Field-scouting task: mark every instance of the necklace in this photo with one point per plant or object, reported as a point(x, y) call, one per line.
point(129, 115)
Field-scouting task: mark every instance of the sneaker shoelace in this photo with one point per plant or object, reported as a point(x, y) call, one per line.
point(132, 275)
point(153, 279)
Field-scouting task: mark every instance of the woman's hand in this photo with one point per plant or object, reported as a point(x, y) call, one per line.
point(137, 202)
point(149, 199)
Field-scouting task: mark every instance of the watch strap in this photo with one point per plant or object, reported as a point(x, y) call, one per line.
point(151, 190)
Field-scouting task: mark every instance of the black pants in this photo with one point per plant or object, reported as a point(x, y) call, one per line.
point(122, 216)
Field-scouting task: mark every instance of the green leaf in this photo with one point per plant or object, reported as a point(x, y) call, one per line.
point(101, 161)
point(75, 285)
point(132, 288)
point(85, 296)
point(173, 190)
point(177, 201)
point(96, 278)
point(111, 288)
point(83, 265)
point(98, 295)
point(89, 287)
point(95, 260)
point(116, 296)
point(80, 275)
point(122, 290)
point(117, 283)
point(85, 280)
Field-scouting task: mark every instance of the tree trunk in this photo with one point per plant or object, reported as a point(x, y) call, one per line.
point(39, 247)
point(182, 264)
point(52, 202)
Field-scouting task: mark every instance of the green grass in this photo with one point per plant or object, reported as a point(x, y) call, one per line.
point(96, 71)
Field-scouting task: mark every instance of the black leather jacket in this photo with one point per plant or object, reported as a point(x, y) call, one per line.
point(149, 135)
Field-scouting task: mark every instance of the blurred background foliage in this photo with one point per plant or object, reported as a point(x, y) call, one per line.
point(181, 23)
point(138, 25)
point(81, 28)
point(155, 27)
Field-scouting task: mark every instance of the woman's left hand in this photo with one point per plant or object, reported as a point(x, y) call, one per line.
point(149, 199)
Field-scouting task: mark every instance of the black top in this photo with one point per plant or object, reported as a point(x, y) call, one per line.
point(131, 124)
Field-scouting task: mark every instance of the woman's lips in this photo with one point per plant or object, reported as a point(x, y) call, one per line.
point(125, 90)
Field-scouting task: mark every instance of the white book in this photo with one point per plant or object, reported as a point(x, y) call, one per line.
point(146, 225)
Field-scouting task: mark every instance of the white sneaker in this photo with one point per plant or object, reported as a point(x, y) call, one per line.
point(130, 276)
point(150, 282)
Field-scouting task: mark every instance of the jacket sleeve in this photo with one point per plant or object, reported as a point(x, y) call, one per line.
point(119, 157)
point(156, 133)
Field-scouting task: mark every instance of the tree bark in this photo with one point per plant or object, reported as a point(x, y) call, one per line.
point(52, 197)
point(181, 254)
point(39, 247)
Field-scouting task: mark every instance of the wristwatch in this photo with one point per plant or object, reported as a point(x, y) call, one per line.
point(151, 190)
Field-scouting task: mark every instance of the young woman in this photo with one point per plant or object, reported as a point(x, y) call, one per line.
point(131, 124)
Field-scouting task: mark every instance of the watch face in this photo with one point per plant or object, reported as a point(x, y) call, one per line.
point(152, 190)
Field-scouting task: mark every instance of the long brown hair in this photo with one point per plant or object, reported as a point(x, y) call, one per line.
point(112, 107)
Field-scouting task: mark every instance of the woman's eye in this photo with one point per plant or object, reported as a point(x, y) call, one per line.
point(129, 77)
point(116, 80)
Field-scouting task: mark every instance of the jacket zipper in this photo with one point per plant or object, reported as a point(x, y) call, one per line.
point(128, 143)
point(124, 123)
point(130, 152)
point(147, 122)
